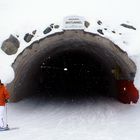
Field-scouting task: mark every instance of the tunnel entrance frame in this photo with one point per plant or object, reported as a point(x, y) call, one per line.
point(112, 54)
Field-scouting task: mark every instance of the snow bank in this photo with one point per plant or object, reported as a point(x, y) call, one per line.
point(21, 17)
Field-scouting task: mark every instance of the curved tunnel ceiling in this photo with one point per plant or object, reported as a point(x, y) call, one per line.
point(63, 52)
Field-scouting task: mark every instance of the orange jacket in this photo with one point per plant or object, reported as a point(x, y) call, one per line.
point(4, 95)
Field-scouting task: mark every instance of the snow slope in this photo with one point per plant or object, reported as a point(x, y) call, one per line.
point(90, 119)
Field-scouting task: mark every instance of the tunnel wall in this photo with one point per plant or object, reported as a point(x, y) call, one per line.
point(103, 48)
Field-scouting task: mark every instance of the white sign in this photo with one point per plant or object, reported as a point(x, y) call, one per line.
point(73, 23)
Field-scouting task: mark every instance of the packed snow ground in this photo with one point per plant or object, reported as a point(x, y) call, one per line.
point(90, 119)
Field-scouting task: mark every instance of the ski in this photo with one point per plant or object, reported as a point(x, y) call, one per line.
point(4, 129)
point(9, 129)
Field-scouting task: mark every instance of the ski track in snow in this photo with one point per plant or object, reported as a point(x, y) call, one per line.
point(102, 119)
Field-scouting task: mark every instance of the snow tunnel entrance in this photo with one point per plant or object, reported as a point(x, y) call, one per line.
point(70, 64)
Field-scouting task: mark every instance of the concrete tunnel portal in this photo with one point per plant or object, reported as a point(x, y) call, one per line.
point(71, 64)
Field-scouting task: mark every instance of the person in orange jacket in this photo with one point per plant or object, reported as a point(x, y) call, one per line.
point(4, 96)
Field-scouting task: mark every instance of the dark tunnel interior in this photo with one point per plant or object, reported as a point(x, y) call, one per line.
point(73, 74)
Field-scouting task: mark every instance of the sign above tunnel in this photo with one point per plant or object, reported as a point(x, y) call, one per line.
point(74, 23)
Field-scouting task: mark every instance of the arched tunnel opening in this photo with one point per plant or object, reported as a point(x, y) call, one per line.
point(71, 65)
point(74, 74)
